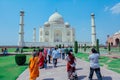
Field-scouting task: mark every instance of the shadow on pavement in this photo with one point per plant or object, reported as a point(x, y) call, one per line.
point(49, 79)
point(49, 67)
point(107, 78)
point(79, 68)
point(81, 77)
point(61, 65)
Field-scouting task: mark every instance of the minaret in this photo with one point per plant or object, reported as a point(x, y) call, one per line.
point(34, 35)
point(21, 29)
point(93, 35)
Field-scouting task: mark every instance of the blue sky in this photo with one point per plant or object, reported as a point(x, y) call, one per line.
point(76, 12)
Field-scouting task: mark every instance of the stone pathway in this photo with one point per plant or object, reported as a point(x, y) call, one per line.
point(60, 73)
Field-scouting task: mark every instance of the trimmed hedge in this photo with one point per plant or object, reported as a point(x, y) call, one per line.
point(76, 47)
point(20, 59)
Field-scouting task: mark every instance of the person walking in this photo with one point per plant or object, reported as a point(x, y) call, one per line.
point(66, 51)
point(71, 66)
point(49, 53)
point(17, 49)
point(59, 51)
point(34, 66)
point(63, 53)
point(42, 58)
point(55, 56)
point(45, 57)
point(94, 64)
point(5, 51)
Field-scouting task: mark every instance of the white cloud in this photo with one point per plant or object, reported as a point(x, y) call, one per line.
point(106, 8)
point(115, 9)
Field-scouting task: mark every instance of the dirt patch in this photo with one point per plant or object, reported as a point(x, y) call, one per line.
point(109, 60)
point(105, 66)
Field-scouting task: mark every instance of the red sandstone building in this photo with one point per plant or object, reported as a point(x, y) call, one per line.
point(114, 40)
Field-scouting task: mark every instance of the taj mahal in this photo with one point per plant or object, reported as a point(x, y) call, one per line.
point(55, 31)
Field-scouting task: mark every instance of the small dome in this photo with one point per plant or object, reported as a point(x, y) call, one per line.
point(117, 32)
point(56, 18)
point(47, 24)
point(67, 24)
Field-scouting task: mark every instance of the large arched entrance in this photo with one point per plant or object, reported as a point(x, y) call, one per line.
point(117, 41)
point(57, 36)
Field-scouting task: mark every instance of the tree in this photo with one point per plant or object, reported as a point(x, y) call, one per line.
point(59, 45)
point(76, 47)
point(109, 48)
point(84, 47)
point(97, 45)
point(56, 46)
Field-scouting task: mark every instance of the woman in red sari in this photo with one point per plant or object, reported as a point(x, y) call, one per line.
point(42, 58)
point(70, 64)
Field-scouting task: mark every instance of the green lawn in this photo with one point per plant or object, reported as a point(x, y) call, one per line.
point(14, 49)
point(110, 63)
point(11, 49)
point(8, 68)
point(114, 65)
point(102, 50)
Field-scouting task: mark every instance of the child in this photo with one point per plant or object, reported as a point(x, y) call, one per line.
point(34, 66)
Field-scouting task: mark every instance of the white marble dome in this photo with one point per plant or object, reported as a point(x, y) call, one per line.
point(56, 18)
point(67, 24)
point(47, 24)
point(117, 32)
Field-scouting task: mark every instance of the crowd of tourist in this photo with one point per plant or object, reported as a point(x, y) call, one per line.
point(43, 56)
point(40, 58)
point(46, 56)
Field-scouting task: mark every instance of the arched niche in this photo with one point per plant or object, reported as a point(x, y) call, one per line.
point(117, 41)
point(57, 36)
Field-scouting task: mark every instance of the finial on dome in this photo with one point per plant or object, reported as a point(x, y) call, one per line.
point(22, 11)
point(92, 14)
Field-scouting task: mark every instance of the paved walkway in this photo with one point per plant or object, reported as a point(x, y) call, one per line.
point(60, 73)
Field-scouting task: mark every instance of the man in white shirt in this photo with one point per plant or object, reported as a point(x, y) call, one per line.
point(94, 65)
point(63, 53)
point(55, 56)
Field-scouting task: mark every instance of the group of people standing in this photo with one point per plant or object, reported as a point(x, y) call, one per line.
point(4, 51)
point(43, 56)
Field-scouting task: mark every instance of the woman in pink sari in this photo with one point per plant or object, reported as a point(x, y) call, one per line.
point(42, 58)
point(45, 52)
